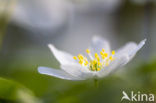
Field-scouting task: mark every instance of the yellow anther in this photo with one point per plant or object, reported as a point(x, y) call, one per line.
point(99, 64)
point(113, 52)
point(103, 50)
point(103, 57)
point(80, 57)
point(98, 59)
point(105, 54)
point(111, 58)
point(87, 51)
point(86, 62)
point(101, 53)
point(75, 57)
point(97, 56)
point(81, 62)
point(94, 62)
point(98, 69)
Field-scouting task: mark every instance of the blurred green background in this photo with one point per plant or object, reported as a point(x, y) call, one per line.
point(27, 26)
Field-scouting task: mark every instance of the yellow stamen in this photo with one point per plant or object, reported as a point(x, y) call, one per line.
point(75, 57)
point(106, 54)
point(111, 58)
point(98, 69)
point(97, 56)
point(101, 53)
point(103, 57)
point(95, 64)
point(81, 62)
point(113, 52)
point(80, 57)
point(87, 51)
point(99, 64)
point(86, 62)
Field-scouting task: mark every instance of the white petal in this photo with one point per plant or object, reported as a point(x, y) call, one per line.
point(62, 57)
point(57, 73)
point(116, 64)
point(123, 56)
point(98, 44)
point(139, 46)
point(130, 49)
point(78, 71)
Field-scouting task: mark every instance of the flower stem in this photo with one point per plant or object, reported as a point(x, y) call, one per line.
point(96, 83)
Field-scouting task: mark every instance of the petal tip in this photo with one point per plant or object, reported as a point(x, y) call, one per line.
point(143, 41)
point(50, 45)
point(40, 70)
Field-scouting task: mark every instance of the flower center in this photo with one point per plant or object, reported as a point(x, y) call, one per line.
point(96, 62)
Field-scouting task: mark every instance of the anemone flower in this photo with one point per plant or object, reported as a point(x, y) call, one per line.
point(99, 62)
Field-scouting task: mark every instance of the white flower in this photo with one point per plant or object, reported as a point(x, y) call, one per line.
point(100, 63)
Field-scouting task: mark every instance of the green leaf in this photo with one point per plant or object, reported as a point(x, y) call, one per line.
point(13, 92)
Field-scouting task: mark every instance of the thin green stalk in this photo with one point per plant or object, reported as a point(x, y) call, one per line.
point(96, 83)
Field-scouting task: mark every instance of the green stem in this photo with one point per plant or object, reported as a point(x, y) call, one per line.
point(96, 83)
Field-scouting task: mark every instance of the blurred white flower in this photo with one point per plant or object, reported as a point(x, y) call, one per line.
point(52, 14)
point(101, 60)
point(41, 14)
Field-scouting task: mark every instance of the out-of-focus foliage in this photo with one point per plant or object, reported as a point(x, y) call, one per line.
point(146, 72)
point(12, 92)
